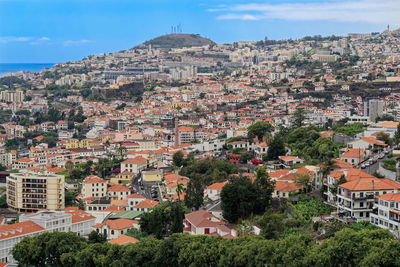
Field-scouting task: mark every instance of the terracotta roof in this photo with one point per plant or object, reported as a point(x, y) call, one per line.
point(93, 179)
point(136, 160)
point(119, 188)
point(79, 215)
point(288, 158)
point(117, 224)
point(287, 187)
point(146, 204)
point(201, 218)
point(390, 197)
point(371, 184)
point(21, 228)
point(353, 153)
point(135, 196)
point(123, 239)
point(373, 141)
point(217, 186)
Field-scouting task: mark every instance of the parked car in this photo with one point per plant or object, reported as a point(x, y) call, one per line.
point(363, 166)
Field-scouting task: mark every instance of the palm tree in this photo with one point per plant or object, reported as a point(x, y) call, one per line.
point(179, 189)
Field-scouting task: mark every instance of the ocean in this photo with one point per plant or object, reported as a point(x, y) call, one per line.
point(14, 67)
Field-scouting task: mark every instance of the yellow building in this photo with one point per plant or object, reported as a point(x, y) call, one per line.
point(152, 176)
point(31, 192)
point(85, 143)
point(122, 178)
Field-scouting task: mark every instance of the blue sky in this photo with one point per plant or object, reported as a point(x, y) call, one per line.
point(63, 30)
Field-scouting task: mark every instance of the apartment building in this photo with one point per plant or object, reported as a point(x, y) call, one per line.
point(34, 191)
point(356, 198)
point(387, 212)
point(12, 96)
point(93, 187)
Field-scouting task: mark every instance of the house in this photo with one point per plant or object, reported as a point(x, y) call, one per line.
point(133, 200)
point(118, 192)
point(261, 149)
point(356, 198)
point(387, 215)
point(122, 178)
point(202, 222)
point(367, 143)
point(289, 161)
point(213, 191)
point(115, 228)
point(123, 240)
point(354, 155)
point(134, 165)
point(93, 187)
point(284, 189)
point(172, 180)
point(145, 205)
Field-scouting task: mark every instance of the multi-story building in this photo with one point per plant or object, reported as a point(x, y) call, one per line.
point(12, 234)
point(387, 214)
point(12, 96)
point(373, 108)
point(356, 198)
point(93, 187)
point(30, 191)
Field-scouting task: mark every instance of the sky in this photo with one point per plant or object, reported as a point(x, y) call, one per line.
point(65, 30)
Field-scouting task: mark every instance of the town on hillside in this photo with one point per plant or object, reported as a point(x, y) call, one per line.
point(200, 145)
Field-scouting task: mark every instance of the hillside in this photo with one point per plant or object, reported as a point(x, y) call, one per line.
point(178, 40)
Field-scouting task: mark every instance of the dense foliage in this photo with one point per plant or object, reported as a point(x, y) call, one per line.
point(348, 247)
point(241, 197)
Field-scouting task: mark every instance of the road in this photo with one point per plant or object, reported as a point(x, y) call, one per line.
point(146, 192)
point(374, 167)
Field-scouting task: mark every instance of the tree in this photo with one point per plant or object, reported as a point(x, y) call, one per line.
point(46, 249)
point(382, 136)
point(259, 130)
point(397, 135)
point(95, 237)
point(163, 220)
point(276, 148)
point(272, 225)
point(298, 117)
point(194, 197)
point(303, 180)
point(241, 197)
point(177, 158)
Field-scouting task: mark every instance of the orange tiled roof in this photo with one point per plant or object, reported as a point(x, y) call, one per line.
point(123, 239)
point(117, 224)
point(146, 204)
point(21, 228)
point(372, 184)
point(119, 188)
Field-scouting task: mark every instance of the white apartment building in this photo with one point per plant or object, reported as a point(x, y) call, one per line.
point(93, 187)
point(387, 215)
point(356, 198)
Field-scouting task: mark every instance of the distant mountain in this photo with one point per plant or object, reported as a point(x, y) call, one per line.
point(178, 40)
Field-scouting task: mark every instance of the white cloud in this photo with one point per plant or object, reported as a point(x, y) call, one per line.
point(10, 39)
point(380, 12)
point(238, 16)
point(77, 42)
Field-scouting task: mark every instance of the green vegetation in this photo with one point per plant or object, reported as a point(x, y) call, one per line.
point(390, 164)
point(306, 142)
point(350, 246)
point(307, 208)
point(163, 220)
point(350, 129)
point(241, 197)
point(260, 130)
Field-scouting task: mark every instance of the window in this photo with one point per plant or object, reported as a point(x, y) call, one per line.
point(112, 232)
point(361, 214)
point(361, 204)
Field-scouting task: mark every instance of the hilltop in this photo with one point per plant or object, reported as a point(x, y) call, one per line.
point(178, 40)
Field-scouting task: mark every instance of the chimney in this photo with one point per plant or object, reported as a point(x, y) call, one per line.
point(373, 184)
